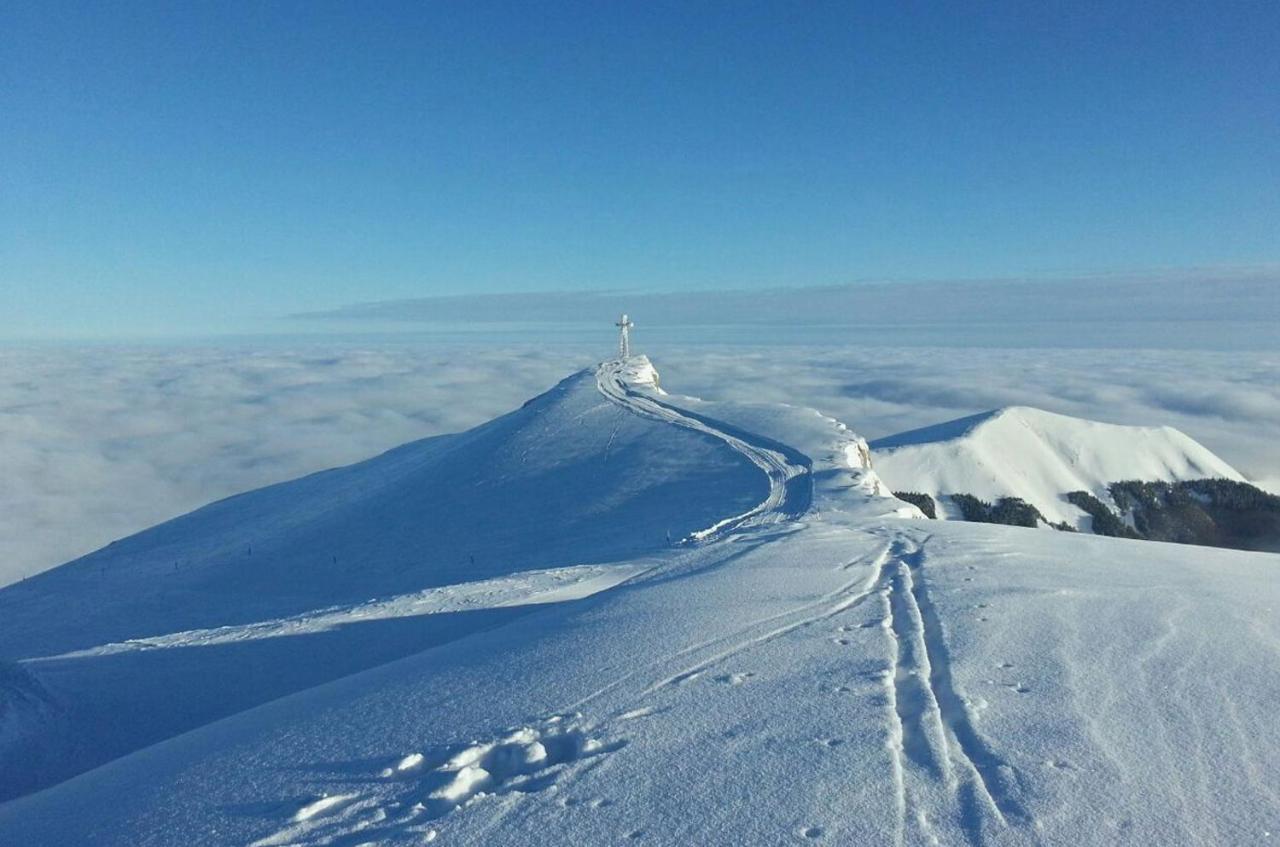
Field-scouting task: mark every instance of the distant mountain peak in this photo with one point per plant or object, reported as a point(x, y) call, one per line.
point(1039, 456)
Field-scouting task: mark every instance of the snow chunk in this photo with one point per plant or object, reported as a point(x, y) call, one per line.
point(639, 372)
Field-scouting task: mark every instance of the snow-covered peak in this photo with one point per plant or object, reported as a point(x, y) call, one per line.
point(571, 479)
point(568, 478)
point(602, 468)
point(1025, 452)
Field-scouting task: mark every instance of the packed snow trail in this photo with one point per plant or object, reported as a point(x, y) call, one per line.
point(788, 470)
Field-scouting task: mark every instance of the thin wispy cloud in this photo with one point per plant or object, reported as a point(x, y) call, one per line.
point(1207, 309)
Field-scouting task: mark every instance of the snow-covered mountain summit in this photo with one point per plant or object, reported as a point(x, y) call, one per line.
point(618, 615)
point(604, 467)
point(569, 477)
point(1038, 456)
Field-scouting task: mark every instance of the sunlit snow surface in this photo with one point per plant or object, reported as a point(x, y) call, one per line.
point(834, 674)
point(1038, 456)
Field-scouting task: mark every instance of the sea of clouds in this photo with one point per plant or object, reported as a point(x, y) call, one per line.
point(100, 442)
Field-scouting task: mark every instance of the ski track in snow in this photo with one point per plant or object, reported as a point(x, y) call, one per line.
point(944, 770)
point(933, 736)
point(786, 498)
point(772, 627)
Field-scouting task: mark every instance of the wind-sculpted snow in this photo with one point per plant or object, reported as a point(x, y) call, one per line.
point(973, 686)
point(528, 588)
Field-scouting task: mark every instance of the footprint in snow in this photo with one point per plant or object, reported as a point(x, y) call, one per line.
point(525, 760)
point(521, 761)
point(407, 765)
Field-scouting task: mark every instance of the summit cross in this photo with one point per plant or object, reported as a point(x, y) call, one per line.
point(624, 325)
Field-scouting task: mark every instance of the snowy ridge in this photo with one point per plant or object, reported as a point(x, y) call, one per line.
point(819, 667)
point(790, 487)
point(347, 564)
point(831, 461)
point(1038, 456)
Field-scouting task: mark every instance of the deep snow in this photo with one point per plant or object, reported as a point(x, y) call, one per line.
point(812, 664)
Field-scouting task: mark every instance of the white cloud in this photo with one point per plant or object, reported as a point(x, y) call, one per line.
point(100, 443)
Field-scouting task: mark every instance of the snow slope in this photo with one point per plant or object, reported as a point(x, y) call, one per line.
point(1038, 456)
point(814, 670)
point(570, 479)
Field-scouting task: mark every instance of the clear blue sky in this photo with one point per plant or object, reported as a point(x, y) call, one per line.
point(193, 167)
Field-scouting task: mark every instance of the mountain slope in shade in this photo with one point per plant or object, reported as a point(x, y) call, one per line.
point(1038, 456)
point(569, 479)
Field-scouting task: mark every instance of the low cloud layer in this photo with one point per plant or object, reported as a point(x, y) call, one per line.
point(100, 443)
